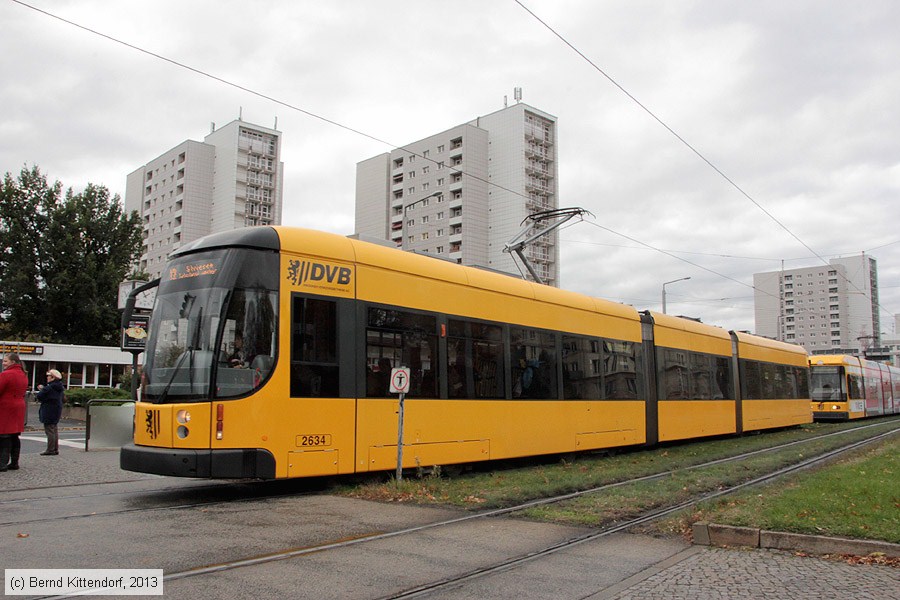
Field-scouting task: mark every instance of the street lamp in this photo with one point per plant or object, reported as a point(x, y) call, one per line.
point(405, 208)
point(664, 291)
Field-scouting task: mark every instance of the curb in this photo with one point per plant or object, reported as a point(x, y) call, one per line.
point(711, 534)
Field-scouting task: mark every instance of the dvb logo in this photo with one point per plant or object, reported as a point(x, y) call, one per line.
point(302, 271)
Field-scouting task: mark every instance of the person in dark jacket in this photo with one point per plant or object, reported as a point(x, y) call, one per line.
point(51, 398)
point(13, 384)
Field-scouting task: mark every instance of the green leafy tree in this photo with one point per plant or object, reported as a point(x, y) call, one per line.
point(25, 207)
point(62, 260)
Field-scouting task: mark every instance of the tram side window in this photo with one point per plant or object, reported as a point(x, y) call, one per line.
point(769, 381)
point(683, 374)
point(856, 389)
point(475, 360)
point(582, 368)
point(533, 364)
point(723, 386)
point(314, 366)
point(750, 378)
point(397, 338)
point(701, 376)
point(620, 368)
point(674, 374)
point(801, 375)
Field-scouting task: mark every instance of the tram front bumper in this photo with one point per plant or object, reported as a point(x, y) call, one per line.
point(237, 463)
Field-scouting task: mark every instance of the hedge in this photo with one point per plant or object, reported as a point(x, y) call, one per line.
point(80, 396)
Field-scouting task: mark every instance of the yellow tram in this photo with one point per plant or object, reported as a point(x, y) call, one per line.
point(270, 351)
point(848, 387)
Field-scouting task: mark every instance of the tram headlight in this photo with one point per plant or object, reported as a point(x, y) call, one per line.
point(183, 417)
point(182, 431)
point(834, 407)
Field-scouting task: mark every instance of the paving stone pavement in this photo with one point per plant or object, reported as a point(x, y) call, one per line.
point(735, 574)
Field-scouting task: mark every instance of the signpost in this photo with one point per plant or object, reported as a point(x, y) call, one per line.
point(400, 385)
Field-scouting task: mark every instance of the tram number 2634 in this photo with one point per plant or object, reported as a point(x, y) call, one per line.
point(313, 440)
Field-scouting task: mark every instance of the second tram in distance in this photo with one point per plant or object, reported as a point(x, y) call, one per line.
point(849, 387)
point(270, 351)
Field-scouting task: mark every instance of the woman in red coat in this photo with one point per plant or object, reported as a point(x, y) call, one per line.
point(13, 384)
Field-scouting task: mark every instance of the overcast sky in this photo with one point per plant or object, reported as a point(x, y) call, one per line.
point(795, 102)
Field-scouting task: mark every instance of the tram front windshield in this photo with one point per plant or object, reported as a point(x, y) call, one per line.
point(213, 330)
point(827, 384)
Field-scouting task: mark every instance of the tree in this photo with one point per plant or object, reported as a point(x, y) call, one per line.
point(25, 206)
point(61, 260)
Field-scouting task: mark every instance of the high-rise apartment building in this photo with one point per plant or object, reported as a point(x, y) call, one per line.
point(232, 179)
point(464, 193)
point(825, 309)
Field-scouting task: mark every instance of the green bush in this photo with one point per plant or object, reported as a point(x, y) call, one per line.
point(80, 396)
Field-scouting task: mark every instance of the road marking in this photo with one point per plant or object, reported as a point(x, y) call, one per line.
point(62, 442)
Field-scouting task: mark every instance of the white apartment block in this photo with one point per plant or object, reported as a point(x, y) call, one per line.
point(825, 309)
point(463, 193)
point(232, 179)
point(891, 342)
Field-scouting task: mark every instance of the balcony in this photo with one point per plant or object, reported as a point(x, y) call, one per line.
point(538, 135)
point(538, 151)
point(538, 169)
point(537, 185)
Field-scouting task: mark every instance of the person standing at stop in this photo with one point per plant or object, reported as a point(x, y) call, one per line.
point(51, 398)
point(13, 385)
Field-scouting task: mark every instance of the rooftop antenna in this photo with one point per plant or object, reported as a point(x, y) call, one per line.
point(240, 113)
point(276, 122)
point(504, 100)
point(517, 94)
point(534, 228)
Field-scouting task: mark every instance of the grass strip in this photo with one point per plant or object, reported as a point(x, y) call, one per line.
point(511, 483)
point(857, 497)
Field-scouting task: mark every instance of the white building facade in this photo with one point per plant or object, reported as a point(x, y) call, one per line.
point(233, 179)
point(826, 309)
point(463, 193)
point(80, 366)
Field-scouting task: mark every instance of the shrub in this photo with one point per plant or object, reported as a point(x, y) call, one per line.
point(80, 396)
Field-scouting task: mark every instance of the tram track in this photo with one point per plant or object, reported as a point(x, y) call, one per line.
point(511, 563)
